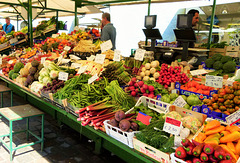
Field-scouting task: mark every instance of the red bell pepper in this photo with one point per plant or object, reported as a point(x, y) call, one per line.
point(225, 161)
point(186, 142)
point(196, 160)
point(188, 161)
point(219, 153)
point(189, 150)
point(180, 153)
point(228, 156)
point(208, 149)
point(195, 143)
point(203, 157)
point(198, 150)
point(212, 158)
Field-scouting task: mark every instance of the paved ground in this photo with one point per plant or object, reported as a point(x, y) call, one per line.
point(61, 145)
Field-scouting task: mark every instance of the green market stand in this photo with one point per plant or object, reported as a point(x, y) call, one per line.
point(101, 139)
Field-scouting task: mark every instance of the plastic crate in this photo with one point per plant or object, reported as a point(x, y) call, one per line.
point(127, 137)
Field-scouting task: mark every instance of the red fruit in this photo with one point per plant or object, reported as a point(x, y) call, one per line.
point(134, 80)
point(203, 157)
point(145, 86)
point(150, 88)
point(133, 93)
point(208, 149)
point(137, 90)
point(140, 83)
point(180, 153)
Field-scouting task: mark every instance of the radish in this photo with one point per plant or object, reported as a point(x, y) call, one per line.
point(150, 88)
point(151, 96)
point(132, 88)
point(143, 90)
point(134, 80)
point(133, 93)
point(136, 85)
point(145, 94)
point(136, 90)
point(145, 86)
point(140, 83)
point(131, 83)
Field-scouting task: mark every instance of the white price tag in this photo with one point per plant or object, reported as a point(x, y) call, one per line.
point(106, 46)
point(117, 55)
point(100, 58)
point(229, 82)
point(75, 65)
point(63, 76)
point(214, 81)
point(92, 79)
point(179, 102)
point(55, 35)
point(172, 126)
point(139, 54)
point(91, 58)
point(60, 58)
point(43, 59)
point(233, 118)
point(82, 69)
point(168, 53)
point(13, 40)
point(198, 72)
point(0, 61)
point(67, 48)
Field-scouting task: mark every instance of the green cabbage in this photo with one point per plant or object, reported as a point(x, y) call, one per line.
point(193, 100)
point(166, 98)
point(173, 96)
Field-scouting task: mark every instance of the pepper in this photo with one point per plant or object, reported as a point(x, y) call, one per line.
point(224, 147)
point(186, 142)
point(215, 130)
point(224, 133)
point(235, 135)
point(198, 149)
point(180, 153)
point(201, 137)
point(189, 150)
point(232, 128)
point(213, 159)
point(237, 147)
point(219, 152)
point(216, 135)
point(188, 161)
point(231, 146)
point(211, 125)
point(195, 143)
point(208, 149)
point(225, 161)
point(203, 157)
point(196, 160)
point(212, 141)
point(228, 156)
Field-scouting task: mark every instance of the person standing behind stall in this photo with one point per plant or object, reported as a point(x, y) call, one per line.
point(108, 31)
point(195, 14)
point(8, 27)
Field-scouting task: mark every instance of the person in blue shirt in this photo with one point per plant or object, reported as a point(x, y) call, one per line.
point(8, 27)
point(108, 31)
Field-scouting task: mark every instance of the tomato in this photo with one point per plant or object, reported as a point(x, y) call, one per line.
point(236, 100)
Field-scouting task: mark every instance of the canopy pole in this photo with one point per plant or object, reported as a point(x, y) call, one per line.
point(30, 22)
point(76, 22)
point(17, 22)
point(57, 21)
point(149, 6)
point(211, 24)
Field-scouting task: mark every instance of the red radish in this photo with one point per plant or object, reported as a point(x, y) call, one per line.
point(133, 93)
point(150, 88)
point(136, 90)
point(131, 88)
point(136, 85)
point(131, 83)
point(143, 90)
point(151, 96)
point(140, 83)
point(134, 80)
point(145, 86)
point(145, 94)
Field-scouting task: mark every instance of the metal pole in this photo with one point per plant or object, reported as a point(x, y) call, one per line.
point(30, 22)
point(17, 22)
point(76, 21)
point(211, 24)
point(149, 5)
point(57, 21)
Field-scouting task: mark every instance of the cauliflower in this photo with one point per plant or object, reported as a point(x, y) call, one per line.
point(229, 67)
point(36, 86)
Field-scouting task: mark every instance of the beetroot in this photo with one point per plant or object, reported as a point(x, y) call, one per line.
point(151, 96)
point(120, 115)
point(145, 94)
point(134, 126)
point(113, 122)
point(124, 125)
point(131, 83)
point(132, 88)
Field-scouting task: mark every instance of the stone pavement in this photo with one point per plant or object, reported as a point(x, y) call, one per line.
point(60, 145)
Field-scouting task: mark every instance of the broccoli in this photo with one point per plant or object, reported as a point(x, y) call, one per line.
point(14, 76)
point(18, 66)
point(218, 65)
point(217, 57)
point(209, 62)
point(229, 67)
point(10, 74)
point(226, 59)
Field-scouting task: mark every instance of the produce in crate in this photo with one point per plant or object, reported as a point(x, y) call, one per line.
point(226, 100)
point(14, 73)
point(149, 71)
point(171, 74)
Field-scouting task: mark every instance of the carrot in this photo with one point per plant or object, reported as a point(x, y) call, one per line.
point(237, 147)
point(231, 146)
point(232, 128)
point(215, 130)
point(229, 151)
point(230, 137)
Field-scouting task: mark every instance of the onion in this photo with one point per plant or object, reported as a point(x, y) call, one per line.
point(147, 73)
point(146, 78)
point(156, 75)
point(143, 69)
point(152, 70)
point(154, 64)
point(142, 74)
point(147, 66)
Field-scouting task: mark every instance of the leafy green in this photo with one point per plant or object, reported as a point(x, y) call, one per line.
point(159, 89)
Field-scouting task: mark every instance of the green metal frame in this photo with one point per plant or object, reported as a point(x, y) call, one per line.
point(211, 24)
point(101, 139)
point(27, 131)
point(11, 92)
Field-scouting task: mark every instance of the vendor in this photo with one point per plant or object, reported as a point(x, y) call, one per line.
point(8, 27)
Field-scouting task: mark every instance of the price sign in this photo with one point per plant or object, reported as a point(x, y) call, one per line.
point(233, 118)
point(106, 46)
point(139, 54)
point(117, 55)
point(82, 69)
point(67, 48)
point(144, 118)
point(63, 76)
point(92, 79)
point(43, 59)
point(0, 61)
point(198, 72)
point(179, 102)
point(75, 65)
point(168, 53)
point(100, 58)
point(91, 58)
point(172, 126)
point(214, 81)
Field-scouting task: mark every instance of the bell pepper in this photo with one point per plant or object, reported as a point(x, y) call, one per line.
point(232, 128)
point(216, 135)
point(213, 159)
point(212, 141)
point(186, 142)
point(227, 156)
point(188, 161)
point(224, 133)
point(235, 135)
point(180, 153)
point(195, 143)
point(219, 152)
point(226, 149)
point(225, 161)
point(196, 160)
point(215, 130)
point(198, 149)
point(212, 124)
point(208, 149)
point(189, 150)
point(203, 157)
point(237, 147)
point(200, 138)
point(231, 146)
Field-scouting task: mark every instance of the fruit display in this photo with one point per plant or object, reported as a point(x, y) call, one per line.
point(3, 39)
point(226, 100)
point(149, 71)
point(14, 73)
